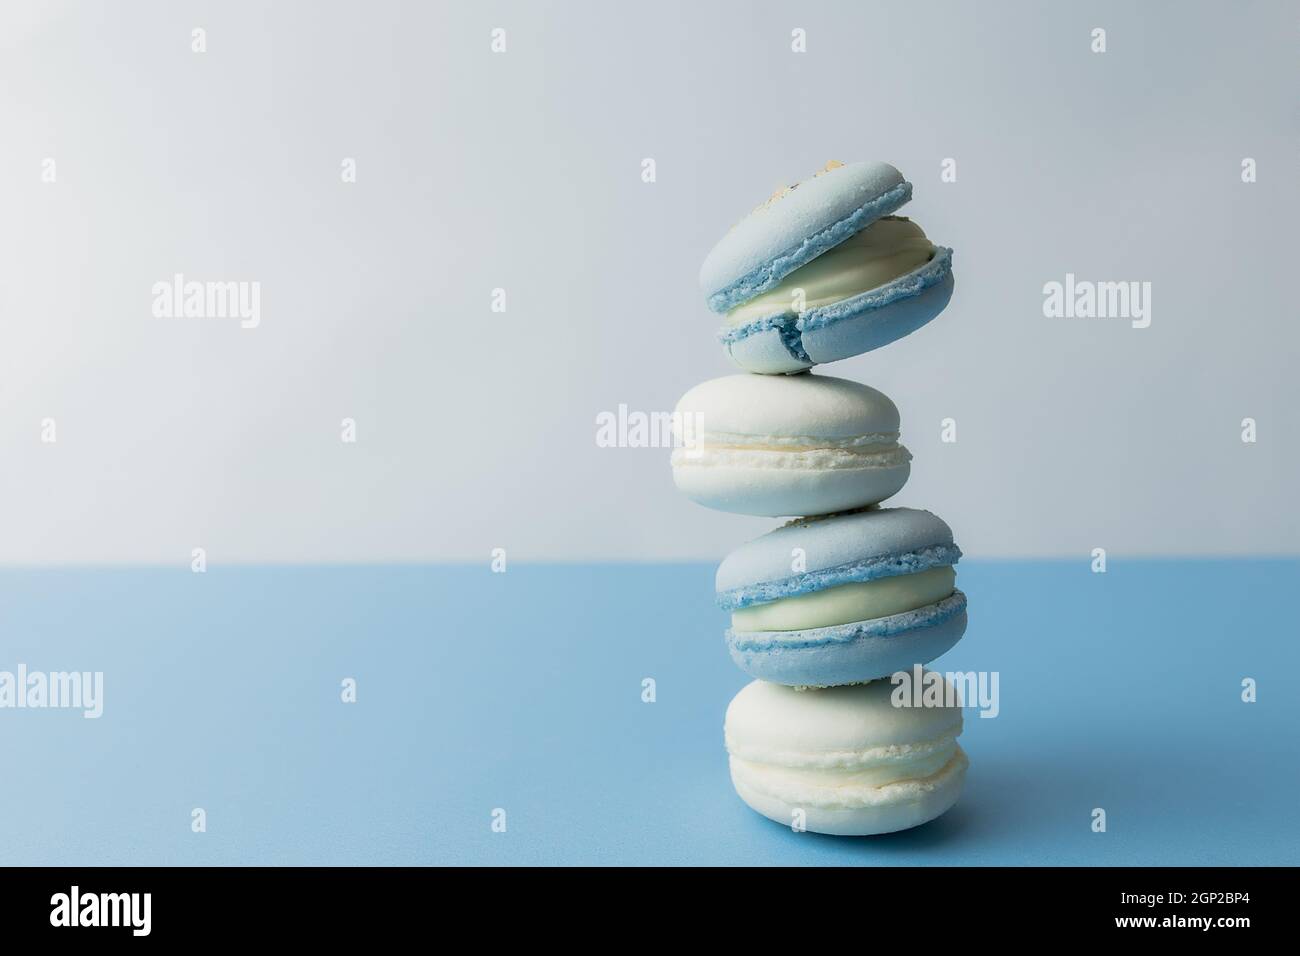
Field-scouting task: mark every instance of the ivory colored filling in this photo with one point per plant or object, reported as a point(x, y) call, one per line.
point(926, 762)
point(846, 603)
point(882, 252)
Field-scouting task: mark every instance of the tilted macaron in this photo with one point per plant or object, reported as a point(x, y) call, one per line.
point(844, 760)
point(787, 445)
point(843, 599)
point(821, 272)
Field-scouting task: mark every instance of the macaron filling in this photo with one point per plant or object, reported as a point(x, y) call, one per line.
point(876, 767)
point(847, 603)
point(883, 252)
point(932, 618)
point(804, 788)
point(873, 441)
point(810, 453)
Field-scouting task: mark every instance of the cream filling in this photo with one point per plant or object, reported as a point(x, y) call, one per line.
point(846, 603)
point(886, 250)
point(917, 768)
point(874, 441)
point(794, 459)
point(866, 788)
point(831, 765)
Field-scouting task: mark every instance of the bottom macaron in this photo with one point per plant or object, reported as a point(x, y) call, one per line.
point(844, 760)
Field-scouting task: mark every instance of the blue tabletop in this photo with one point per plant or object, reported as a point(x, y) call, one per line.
point(480, 691)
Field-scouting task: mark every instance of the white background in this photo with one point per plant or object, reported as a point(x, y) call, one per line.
point(522, 170)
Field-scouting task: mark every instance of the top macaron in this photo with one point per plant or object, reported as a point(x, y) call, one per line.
point(822, 271)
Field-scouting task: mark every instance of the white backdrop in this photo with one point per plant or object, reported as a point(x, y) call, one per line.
point(522, 170)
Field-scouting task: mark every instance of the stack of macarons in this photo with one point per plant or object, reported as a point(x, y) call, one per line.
point(825, 608)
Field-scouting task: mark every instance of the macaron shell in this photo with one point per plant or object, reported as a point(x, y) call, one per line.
point(836, 550)
point(780, 492)
point(900, 807)
point(780, 236)
point(769, 723)
point(850, 653)
point(799, 406)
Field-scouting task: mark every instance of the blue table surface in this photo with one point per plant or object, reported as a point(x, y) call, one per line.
point(523, 691)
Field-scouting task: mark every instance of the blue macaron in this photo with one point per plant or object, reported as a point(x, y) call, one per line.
point(823, 271)
point(843, 599)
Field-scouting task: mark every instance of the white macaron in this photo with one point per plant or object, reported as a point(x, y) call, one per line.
point(787, 445)
point(846, 760)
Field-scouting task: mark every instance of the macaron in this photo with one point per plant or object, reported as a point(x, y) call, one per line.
point(843, 599)
point(787, 445)
point(844, 760)
point(821, 271)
